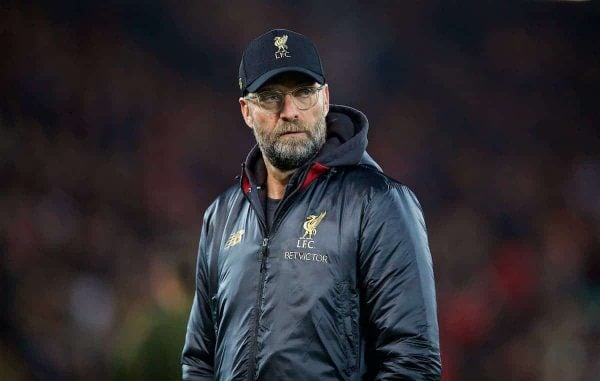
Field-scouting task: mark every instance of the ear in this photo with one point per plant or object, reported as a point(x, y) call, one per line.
point(245, 109)
point(326, 100)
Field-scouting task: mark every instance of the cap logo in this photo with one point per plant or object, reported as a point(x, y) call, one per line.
point(282, 49)
point(240, 83)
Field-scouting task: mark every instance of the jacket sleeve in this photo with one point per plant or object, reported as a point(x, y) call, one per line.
point(198, 351)
point(398, 289)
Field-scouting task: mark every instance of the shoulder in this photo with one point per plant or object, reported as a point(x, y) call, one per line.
point(377, 192)
point(369, 182)
point(226, 201)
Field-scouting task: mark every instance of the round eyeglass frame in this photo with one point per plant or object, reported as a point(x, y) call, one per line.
point(256, 98)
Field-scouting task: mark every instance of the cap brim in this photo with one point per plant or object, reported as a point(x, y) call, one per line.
point(270, 74)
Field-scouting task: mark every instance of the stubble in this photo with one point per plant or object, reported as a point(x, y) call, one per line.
point(287, 152)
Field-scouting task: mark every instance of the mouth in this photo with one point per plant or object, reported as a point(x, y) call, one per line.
point(293, 134)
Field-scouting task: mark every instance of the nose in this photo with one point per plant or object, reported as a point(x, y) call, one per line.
point(289, 111)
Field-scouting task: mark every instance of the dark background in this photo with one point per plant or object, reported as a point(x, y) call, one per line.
point(119, 123)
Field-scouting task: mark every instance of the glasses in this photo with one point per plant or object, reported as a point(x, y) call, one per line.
point(304, 97)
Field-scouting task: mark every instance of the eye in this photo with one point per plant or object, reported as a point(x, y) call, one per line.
point(270, 97)
point(304, 92)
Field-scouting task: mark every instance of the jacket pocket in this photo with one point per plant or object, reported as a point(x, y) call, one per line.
point(213, 311)
point(348, 319)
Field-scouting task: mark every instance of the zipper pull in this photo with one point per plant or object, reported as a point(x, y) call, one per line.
point(263, 257)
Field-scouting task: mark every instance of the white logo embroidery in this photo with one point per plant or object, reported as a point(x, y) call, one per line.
point(282, 48)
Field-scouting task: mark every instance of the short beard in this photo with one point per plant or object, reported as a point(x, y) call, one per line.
point(294, 152)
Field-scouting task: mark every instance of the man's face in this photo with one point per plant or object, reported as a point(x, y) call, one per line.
point(291, 137)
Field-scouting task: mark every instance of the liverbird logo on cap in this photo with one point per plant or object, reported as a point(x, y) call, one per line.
point(282, 48)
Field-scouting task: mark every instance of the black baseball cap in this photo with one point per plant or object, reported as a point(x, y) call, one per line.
point(275, 52)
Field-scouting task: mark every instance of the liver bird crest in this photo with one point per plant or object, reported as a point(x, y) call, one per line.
point(280, 43)
point(310, 225)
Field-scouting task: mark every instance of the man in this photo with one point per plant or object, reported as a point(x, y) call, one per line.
point(316, 266)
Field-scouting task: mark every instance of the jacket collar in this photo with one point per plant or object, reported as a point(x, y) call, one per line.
point(345, 145)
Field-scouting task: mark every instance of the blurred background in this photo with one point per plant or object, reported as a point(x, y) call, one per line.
point(119, 124)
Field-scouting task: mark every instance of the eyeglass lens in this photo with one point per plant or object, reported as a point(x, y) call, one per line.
point(303, 97)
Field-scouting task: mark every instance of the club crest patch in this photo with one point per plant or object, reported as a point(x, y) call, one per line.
point(311, 224)
point(282, 49)
point(234, 238)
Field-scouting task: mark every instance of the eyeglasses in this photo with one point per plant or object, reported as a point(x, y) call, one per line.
point(304, 97)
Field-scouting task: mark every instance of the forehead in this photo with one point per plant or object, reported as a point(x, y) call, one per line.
point(287, 80)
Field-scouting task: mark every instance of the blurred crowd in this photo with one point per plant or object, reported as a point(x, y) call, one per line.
point(119, 124)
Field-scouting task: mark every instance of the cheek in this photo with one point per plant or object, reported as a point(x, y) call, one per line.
point(264, 123)
point(319, 112)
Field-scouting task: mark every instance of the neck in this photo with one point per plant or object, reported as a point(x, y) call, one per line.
point(276, 180)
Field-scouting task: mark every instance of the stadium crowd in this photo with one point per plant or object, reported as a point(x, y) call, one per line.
point(119, 124)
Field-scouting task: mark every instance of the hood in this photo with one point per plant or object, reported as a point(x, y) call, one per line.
point(347, 141)
point(345, 145)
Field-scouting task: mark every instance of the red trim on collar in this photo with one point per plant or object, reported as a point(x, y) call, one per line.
point(245, 184)
point(314, 172)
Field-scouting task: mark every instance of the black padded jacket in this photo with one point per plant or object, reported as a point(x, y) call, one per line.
point(340, 287)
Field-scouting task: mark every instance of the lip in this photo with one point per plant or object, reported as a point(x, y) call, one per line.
point(293, 133)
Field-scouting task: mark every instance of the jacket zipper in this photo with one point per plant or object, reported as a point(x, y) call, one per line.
point(259, 295)
point(263, 273)
point(263, 267)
